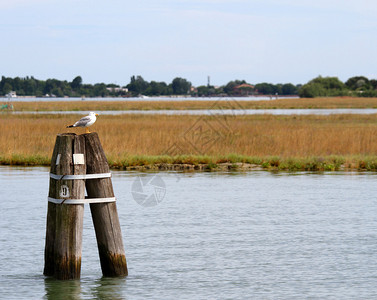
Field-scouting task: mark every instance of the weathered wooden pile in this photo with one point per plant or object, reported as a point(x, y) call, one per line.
point(79, 163)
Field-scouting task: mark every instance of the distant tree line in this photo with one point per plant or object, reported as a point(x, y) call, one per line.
point(29, 86)
point(331, 86)
point(232, 88)
point(317, 87)
point(139, 86)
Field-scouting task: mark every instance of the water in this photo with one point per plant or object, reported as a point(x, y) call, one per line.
point(214, 236)
point(238, 112)
point(162, 98)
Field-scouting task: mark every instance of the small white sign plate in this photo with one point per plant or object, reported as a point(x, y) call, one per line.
point(58, 159)
point(64, 192)
point(78, 159)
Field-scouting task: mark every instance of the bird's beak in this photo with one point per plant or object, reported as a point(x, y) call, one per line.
point(96, 115)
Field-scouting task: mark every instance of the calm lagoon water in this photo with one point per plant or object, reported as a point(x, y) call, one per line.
point(145, 98)
point(233, 235)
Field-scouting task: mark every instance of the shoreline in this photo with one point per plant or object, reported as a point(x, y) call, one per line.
point(314, 164)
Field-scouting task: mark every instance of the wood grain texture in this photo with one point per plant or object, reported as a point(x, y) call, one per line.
point(65, 222)
point(104, 215)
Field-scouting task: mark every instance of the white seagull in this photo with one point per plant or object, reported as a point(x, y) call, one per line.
point(85, 121)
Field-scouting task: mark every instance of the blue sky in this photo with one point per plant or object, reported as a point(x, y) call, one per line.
point(258, 41)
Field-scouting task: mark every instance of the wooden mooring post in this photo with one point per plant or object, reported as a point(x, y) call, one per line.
point(78, 161)
point(104, 215)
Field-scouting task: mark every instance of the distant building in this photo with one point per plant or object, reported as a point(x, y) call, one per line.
point(244, 89)
point(117, 89)
point(11, 94)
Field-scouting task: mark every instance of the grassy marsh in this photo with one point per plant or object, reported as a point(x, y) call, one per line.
point(266, 141)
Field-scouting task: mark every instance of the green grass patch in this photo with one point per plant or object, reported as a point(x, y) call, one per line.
point(23, 160)
point(212, 163)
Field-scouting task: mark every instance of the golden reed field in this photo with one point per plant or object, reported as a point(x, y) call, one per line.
point(286, 142)
point(87, 105)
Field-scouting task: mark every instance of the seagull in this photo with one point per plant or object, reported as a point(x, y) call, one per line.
point(85, 121)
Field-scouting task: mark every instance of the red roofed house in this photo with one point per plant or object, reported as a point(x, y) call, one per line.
point(244, 89)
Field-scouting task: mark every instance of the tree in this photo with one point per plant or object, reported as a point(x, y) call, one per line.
point(203, 90)
point(100, 90)
point(358, 82)
point(373, 83)
point(322, 87)
point(7, 88)
point(76, 83)
point(30, 87)
point(157, 88)
point(311, 90)
point(288, 89)
point(266, 88)
point(137, 85)
point(17, 84)
point(181, 86)
point(329, 82)
point(56, 91)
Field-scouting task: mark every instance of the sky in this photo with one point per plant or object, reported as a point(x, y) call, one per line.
point(276, 41)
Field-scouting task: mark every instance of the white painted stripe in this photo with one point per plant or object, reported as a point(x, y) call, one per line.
point(81, 201)
point(84, 176)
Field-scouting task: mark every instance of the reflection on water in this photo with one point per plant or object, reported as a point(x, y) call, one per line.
point(102, 288)
point(216, 235)
point(109, 288)
point(56, 290)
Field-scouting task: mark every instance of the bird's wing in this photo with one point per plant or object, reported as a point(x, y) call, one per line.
point(83, 121)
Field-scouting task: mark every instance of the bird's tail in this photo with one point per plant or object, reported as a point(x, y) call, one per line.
point(70, 126)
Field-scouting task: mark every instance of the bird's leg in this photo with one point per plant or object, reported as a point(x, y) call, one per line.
point(87, 130)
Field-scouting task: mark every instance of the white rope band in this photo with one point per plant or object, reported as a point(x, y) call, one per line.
point(81, 201)
point(84, 176)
